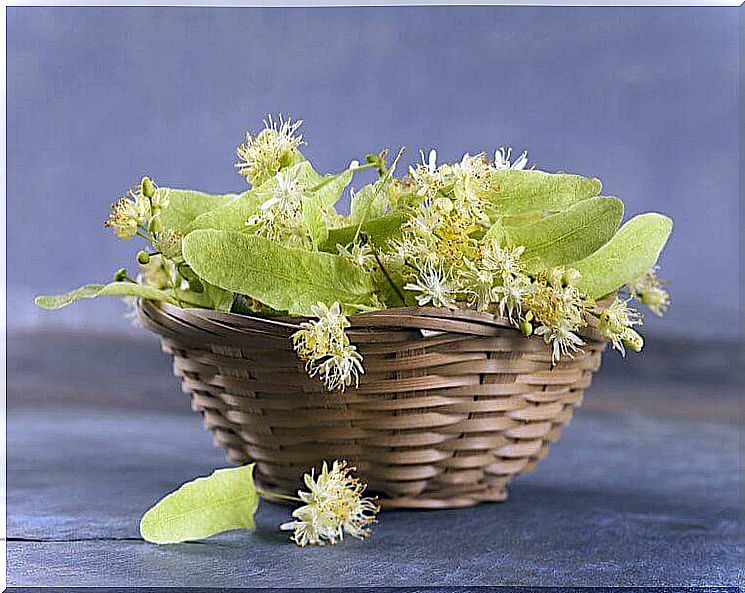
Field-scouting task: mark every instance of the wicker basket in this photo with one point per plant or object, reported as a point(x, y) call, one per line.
point(453, 405)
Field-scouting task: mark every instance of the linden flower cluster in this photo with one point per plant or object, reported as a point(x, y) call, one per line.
point(445, 263)
point(616, 324)
point(162, 266)
point(326, 350)
point(138, 212)
point(449, 214)
point(334, 506)
point(280, 217)
point(263, 155)
point(559, 310)
point(648, 290)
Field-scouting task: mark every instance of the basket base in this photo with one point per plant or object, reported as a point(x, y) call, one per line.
point(406, 502)
point(417, 502)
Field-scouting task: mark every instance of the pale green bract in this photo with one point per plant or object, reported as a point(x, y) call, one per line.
point(378, 230)
point(283, 278)
point(223, 501)
point(632, 251)
point(567, 236)
point(231, 216)
point(515, 192)
point(92, 291)
point(329, 189)
point(183, 206)
point(314, 220)
point(367, 204)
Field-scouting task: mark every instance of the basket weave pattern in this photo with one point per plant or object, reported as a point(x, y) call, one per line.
point(452, 406)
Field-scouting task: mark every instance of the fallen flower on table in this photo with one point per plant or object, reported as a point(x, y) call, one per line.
point(228, 499)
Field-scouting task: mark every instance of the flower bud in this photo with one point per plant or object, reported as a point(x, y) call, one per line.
point(632, 340)
point(143, 257)
point(120, 275)
point(148, 187)
point(156, 225)
point(572, 277)
point(444, 204)
point(526, 328)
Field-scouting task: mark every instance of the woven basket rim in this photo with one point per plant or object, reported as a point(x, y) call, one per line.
point(399, 317)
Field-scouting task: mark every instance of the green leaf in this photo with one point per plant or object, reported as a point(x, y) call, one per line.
point(304, 173)
point(496, 231)
point(230, 216)
point(183, 206)
point(568, 236)
point(379, 230)
point(631, 252)
point(223, 501)
point(315, 221)
point(220, 299)
point(523, 218)
point(513, 192)
point(211, 297)
point(333, 186)
point(280, 277)
point(92, 291)
point(369, 203)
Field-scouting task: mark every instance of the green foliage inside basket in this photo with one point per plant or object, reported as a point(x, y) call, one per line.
point(546, 251)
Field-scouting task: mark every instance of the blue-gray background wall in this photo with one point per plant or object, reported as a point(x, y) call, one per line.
point(644, 98)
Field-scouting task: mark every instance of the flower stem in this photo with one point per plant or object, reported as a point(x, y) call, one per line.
point(380, 183)
point(277, 495)
point(387, 275)
point(330, 179)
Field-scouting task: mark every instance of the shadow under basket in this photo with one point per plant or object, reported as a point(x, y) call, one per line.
point(452, 406)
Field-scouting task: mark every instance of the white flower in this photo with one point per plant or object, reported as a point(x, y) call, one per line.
point(431, 162)
point(325, 348)
point(562, 338)
point(127, 214)
point(502, 160)
point(359, 254)
point(559, 311)
point(426, 175)
point(472, 167)
point(340, 369)
point(334, 506)
point(478, 284)
point(168, 243)
point(510, 296)
point(502, 260)
point(280, 217)
point(616, 323)
point(434, 285)
point(270, 150)
point(159, 272)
